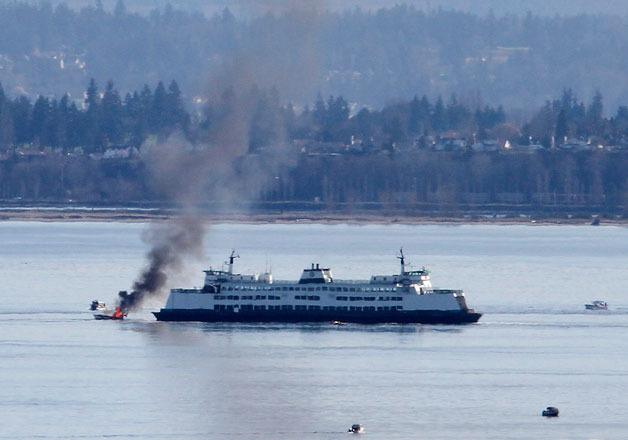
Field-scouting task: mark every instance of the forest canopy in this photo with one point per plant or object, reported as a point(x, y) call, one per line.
point(369, 57)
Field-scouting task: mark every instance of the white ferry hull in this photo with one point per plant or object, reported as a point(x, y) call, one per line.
point(406, 297)
point(291, 316)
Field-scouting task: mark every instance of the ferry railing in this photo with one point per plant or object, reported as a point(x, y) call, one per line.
point(438, 291)
point(336, 281)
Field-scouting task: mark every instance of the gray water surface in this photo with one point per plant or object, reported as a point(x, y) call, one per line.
point(65, 375)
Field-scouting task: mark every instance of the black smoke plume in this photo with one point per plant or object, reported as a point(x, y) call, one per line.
point(170, 243)
point(190, 175)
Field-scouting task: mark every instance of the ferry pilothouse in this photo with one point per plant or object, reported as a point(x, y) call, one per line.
point(406, 297)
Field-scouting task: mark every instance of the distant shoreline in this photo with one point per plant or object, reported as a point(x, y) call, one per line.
point(142, 215)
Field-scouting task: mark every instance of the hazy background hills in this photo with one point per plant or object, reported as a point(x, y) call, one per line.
point(514, 53)
point(543, 7)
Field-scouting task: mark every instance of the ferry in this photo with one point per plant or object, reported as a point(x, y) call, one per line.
point(405, 297)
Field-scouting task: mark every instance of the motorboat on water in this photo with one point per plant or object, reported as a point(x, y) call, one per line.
point(97, 306)
point(597, 305)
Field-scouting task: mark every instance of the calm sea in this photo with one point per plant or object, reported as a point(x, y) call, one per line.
point(64, 375)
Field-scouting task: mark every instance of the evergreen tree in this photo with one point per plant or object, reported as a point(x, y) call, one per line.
point(91, 128)
point(7, 136)
point(39, 120)
point(111, 115)
point(22, 109)
point(561, 131)
point(595, 115)
point(6, 122)
point(92, 98)
point(418, 121)
point(319, 114)
point(63, 122)
point(177, 116)
point(439, 116)
point(73, 118)
point(158, 116)
point(363, 124)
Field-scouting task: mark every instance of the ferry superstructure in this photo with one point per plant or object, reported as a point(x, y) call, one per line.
point(406, 297)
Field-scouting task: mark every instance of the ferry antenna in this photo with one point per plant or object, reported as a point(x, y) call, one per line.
point(232, 258)
point(402, 260)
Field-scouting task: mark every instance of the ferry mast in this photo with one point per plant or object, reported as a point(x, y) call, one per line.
point(402, 260)
point(232, 258)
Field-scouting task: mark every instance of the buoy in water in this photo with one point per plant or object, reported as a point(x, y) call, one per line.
point(550, 411)
point(356, 429)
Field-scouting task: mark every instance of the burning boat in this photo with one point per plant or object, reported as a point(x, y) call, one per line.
point(405, 297)
point(101, 311)
point(117, 314)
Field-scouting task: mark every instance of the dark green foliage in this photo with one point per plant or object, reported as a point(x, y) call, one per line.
point(255, 119)
point(106, 122)
point(386, 160)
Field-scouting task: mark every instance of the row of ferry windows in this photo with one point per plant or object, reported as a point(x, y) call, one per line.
point(312, 289)
point(308, 298)
point(303, 308)
point(257, 297)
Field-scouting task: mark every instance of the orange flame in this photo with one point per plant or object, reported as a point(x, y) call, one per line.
point(118, 313)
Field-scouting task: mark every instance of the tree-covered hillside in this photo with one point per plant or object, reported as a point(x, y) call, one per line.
point(369, 57)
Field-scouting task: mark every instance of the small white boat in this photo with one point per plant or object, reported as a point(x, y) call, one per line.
point(97, 306)
point(597, 305)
